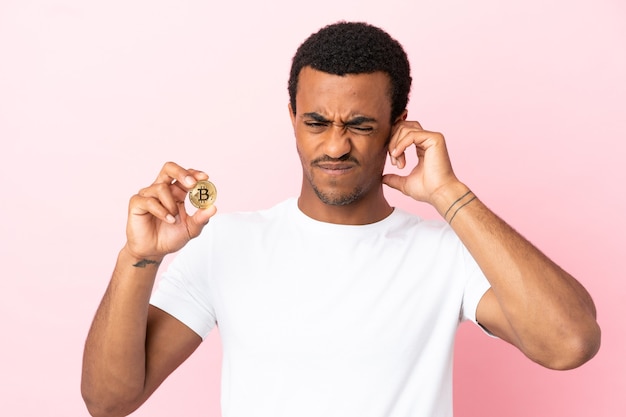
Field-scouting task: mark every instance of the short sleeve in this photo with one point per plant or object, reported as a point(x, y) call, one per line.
point(476, 286)
point(184, 289)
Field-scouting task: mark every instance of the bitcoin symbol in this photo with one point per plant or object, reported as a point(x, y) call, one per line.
point(203, 194)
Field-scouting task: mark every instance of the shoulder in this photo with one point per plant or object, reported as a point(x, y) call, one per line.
point(248, 218)
point(431, 237)
point(235, 230)
point(242, 224)
point(413, 223)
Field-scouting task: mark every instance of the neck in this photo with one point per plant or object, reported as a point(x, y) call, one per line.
point(367, 209)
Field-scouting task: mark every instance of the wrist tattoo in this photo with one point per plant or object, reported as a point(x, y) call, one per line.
point(145, 262)
point(455, 202)
point(458, 204)
point(462, 205)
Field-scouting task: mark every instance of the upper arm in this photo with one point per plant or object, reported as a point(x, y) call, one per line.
point(169, 343)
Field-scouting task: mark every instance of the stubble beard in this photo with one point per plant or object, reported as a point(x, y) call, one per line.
point(336, 198)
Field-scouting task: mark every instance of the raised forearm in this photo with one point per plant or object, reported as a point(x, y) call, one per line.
point(547, 313)
point(131, 348)
point(532, 303)
point(114, 360)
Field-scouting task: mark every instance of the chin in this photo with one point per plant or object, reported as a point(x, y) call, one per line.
point(335, 198)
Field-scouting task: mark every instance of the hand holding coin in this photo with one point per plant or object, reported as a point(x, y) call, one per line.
point(158, 222)
point(203, 195)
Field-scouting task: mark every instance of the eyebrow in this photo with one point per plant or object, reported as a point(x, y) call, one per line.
point(352, 122)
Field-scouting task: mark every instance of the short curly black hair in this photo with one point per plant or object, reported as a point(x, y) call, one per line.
point(354, 48)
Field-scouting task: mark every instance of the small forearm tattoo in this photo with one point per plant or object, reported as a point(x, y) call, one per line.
point(145, 262)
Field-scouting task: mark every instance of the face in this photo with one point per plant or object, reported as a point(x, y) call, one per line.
point(342, 127)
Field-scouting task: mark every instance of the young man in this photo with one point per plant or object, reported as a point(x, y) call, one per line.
point(334, 303)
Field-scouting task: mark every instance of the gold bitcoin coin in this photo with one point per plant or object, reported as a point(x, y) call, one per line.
point(203, 194)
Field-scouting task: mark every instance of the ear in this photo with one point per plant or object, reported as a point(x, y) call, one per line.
point(292, 116)
point(402, 117)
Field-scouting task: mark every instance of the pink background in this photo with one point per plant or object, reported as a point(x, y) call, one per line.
point(95, 96)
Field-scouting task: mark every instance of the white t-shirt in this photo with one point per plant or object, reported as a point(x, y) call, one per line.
point(319, 319)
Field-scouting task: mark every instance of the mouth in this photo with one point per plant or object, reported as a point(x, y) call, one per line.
point(335, 168)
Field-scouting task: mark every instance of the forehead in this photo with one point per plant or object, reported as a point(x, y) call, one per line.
point(350, 94)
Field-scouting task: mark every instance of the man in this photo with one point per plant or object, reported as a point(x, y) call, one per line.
point(335, 303)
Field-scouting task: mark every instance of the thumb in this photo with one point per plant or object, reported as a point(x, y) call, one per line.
point(394, 181)
point(200, 218)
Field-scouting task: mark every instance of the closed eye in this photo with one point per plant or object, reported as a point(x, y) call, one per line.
point(361, 130)
point(360, 125)
point(316, 124)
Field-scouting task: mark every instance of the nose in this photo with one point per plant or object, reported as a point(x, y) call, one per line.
point(337, 142)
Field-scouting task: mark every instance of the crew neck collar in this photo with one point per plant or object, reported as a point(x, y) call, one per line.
point(307, 221)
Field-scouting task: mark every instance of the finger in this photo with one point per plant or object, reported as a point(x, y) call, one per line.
point(401, 140)
point(398, 148)
point(167, 195)
point(421, 139)
point(179, 192)
point(417, 124)
point(142, 206)
point(199, 219)
point(398, 161)
point(198, 175)
point(394, 181)
point(396, 157)
point(193, 177)
point(172, 172)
